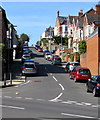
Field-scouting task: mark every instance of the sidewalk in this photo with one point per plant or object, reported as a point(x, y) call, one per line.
point(15, 76)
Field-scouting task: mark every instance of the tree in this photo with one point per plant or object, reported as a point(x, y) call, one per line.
point(23, 38)
point(82, 47)
point(59, 39)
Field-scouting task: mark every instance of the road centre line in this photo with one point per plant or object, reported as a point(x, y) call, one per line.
point(74, 115)
point(55, 78)
point(14, 107)
point(61, 86)
point(29, 98)
point(56, 97)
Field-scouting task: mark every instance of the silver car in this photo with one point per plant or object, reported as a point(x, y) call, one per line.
point(29, 68)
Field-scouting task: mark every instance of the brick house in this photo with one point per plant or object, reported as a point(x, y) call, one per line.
point(92, 57)
point(61, 28)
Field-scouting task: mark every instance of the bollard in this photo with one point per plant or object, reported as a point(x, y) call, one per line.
point(10, 78)
point(4, 79)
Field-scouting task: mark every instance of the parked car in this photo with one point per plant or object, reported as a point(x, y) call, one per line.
point(93, 85)
point(52, 57)
point(29, 60)
point(56, 60)
point(47, 55)
point(37, 46)
point(80, 73)
point(52, 51)
point(40, 50)
point(70, 66)
point(25, 57)
point(44, 51)
point(29, 68)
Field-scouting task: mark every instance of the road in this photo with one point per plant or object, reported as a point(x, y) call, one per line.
point(50, 95)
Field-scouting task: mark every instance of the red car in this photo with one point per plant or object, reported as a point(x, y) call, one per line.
point(80, 73)
point(40, 50)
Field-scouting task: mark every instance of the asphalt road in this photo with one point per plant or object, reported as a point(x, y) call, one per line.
point(50, 95)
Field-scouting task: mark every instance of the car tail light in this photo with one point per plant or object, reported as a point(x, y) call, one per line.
point(98, 85)
point(70, 63)
point(23, 68)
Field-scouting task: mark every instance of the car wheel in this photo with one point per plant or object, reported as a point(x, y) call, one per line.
point(87, 89)
point(94, 93)
point(70, 77)
point(75, 80)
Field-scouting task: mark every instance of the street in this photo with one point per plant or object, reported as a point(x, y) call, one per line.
point(50, 95)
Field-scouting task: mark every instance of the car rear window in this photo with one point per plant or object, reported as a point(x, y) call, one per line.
point(84, 71)
point(76, 64)
point(29, 66)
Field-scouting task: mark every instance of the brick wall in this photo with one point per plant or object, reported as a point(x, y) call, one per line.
point(90, 59)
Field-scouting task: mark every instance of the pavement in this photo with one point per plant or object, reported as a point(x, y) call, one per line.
point(15, 76)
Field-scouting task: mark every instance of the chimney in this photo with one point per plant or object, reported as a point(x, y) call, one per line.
point(80, 13)
point(98, 8)
point(58, 13)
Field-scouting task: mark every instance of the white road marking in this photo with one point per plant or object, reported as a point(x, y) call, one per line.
point(14, 107)
point(86, 103)
point(29, 98)
point(18, 97)
point(55, 79)
point(74, 115)
point(61, 86)
point(56, 97)
point(7, 96)
point(23, 83)
point(40, 99)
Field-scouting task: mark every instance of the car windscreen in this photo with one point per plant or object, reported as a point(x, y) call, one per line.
point(84, 71)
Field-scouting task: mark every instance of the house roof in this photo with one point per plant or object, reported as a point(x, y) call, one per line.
point(87, 12)
point(62, 20)
point(92, 18)
point(80, 23)
point(71, 18)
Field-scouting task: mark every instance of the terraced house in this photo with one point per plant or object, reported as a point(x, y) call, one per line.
point(86, 27)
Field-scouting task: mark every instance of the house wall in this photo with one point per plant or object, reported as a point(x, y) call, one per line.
point(90, 59)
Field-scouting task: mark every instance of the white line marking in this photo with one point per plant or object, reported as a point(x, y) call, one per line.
point(86, 103)
point(23, 83)
point(40, 99)
point(56, 97)
point(61, 86)
point(7, 96)
point(28, 98)
point(77, 115)
point(66, 102)
point(12, 107)
point(55, 79)
point(18, 97)
point(95, 106)
point(50, 73)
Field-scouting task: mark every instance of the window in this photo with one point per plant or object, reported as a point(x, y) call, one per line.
point(84, 71)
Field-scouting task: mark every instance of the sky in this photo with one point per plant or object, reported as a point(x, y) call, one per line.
point(32, 18)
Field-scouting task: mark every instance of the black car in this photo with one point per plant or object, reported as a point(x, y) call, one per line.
point(93, 85)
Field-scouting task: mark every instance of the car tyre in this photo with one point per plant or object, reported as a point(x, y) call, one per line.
point(75, 80)
point(94, 93)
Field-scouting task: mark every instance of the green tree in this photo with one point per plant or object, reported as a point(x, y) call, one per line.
point(82, 47)
point(72, 57)
point(24, 37)
point(59, 39)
